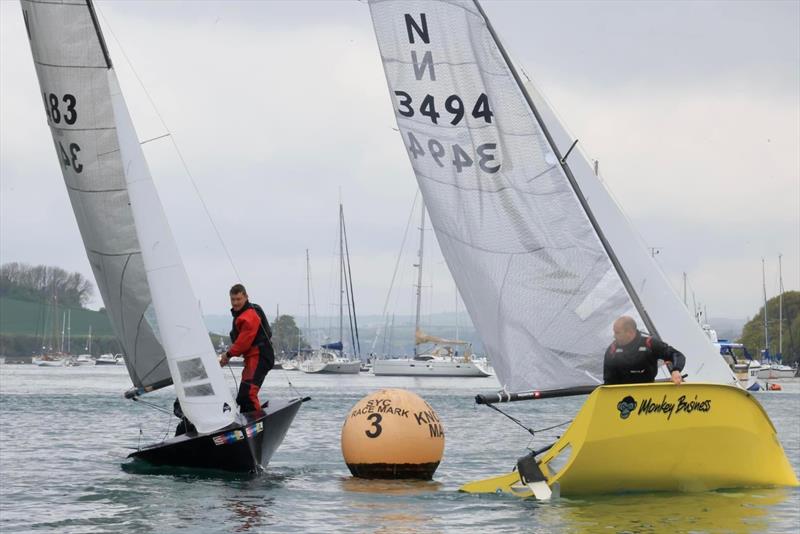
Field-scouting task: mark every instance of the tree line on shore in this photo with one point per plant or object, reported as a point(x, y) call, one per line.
point(50, 284)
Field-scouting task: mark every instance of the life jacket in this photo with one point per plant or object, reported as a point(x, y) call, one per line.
point(632, 363)
point(264, 335)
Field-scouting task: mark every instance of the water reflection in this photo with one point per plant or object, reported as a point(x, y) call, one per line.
point(248, 515)
point(711, 512)
point(374, 512)
point(389, 487)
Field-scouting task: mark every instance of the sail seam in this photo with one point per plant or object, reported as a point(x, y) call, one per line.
point(117, 254)
point(43, 64)
point(63, 129)
point(465, 127)
point(492, 191)
point(79, 190)
point(54, 3)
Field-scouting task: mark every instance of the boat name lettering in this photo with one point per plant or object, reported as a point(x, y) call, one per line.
point(692, 405)
point(649, 406)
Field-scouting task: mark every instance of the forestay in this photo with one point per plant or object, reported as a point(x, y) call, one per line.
point(536, 270)
point(73, 39)
point(72, 66)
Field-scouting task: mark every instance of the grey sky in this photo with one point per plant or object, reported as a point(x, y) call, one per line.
point(693, 110)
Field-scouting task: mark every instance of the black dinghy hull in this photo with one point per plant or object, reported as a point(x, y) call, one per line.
point(243, 447)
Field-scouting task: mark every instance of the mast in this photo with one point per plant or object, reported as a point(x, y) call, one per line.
point(69, 331)
point(419, 272)
point(764, 286)
point(308, 294)
point(341, 280)
point(457, 313)
point(571, 179)
point(780, 308)
point(63, 329)
point(351, 296)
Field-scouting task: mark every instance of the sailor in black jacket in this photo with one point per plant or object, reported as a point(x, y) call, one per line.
point(633, 357)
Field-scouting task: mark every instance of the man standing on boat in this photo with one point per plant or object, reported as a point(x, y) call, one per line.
point(633, 358)
point(251, 338)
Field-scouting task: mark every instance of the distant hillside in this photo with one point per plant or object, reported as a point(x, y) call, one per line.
point(26, 326)
point(34, 318)
point(753, 331)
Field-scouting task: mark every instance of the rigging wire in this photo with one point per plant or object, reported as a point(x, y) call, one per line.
point(183, 163)
point(531, 431)
point(394, 274)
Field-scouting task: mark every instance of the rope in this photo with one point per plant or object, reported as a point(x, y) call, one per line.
point(518, 422)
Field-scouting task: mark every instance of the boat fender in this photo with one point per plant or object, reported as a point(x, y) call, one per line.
point(531, 475)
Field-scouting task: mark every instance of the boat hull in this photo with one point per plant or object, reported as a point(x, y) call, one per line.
point(772, 374)
point(402, 367)
point(660, 437)
point(344, 368)
point(243, 447)
point(49, 363)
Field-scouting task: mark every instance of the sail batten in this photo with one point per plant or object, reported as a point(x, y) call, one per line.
point(532, 261)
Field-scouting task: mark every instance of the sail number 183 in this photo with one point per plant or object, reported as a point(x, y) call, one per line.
point(60, 108)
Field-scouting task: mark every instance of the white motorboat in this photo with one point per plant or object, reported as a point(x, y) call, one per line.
point(776, 370)
point(84, 359)
point(109, 359)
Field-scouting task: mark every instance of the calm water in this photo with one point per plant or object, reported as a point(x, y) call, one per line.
point(65, 432)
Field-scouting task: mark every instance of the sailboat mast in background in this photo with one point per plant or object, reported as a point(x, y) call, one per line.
point(766, 331)
point(420, 255)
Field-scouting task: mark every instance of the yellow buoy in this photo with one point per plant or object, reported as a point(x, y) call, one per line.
point(392, 433)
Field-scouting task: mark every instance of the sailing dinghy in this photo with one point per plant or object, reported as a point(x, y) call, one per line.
point(131, 249)
point(545, 262)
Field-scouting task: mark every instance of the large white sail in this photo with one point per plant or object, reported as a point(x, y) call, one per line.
point(71, 64)
point(674, 323)
point(69, 38)
point(534, 264)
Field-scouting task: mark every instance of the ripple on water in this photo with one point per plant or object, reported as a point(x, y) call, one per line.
point(64, 438)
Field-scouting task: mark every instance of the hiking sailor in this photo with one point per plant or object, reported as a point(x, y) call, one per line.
point(633, 357)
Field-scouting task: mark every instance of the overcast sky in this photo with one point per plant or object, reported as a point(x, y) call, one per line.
point(692, 108)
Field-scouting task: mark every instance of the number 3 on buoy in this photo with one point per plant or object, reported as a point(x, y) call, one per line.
point(392, 433)
point(376, 419)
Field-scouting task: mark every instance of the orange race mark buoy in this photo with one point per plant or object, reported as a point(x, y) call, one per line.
point(392, 433)
point(774, 387)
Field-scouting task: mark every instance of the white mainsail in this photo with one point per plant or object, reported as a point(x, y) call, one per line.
point(68, 39)
point(71, 64)
point(539, 271)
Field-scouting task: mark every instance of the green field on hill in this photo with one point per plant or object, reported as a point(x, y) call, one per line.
point(19, 317)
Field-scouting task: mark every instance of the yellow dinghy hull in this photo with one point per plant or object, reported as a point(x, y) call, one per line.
point(660, 437)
